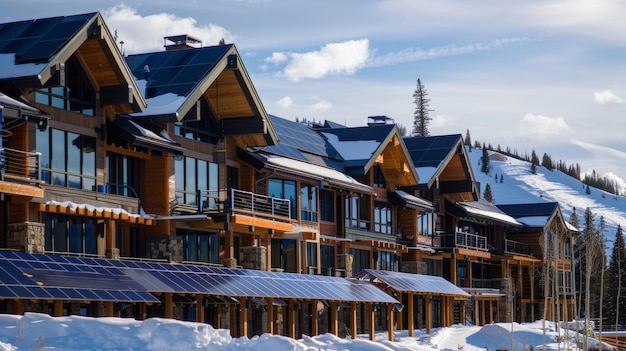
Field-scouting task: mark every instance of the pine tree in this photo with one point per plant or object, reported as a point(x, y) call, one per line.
point(468, 139)
point(615, 302)
point(484, 161)
point(488, 195)
point(421, 118)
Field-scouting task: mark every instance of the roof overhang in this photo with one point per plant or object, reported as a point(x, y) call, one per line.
point(482, 211)
point(142, 133)
point(404, 199)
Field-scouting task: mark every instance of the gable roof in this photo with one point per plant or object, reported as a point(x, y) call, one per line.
point(482, 210)
point(175, 81)
point(361, 148)
point(33, 53)
point(535, 215)
point(442, 161)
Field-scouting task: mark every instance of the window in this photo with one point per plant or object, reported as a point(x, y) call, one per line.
point(379, 177)
point(327, 205)
point(70, 234)
point(284, 189)
point(193, 175)
point(284, 255)
point(127, 240)
point(426, 223)
point(382, 218)
point(123, 173)
point(308, 196)
point(327, 258)
point(205, 130)
point(361, 260)
point(77, 95)
point(386, 261)
point(356, 212)
point(67, 159)
point(200, 246)
point(311, 254)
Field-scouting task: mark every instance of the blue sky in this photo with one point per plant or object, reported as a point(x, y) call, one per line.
point(542, 75)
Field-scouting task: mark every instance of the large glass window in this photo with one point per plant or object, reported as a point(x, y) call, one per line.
point(77, 95)
point(426, 223)
point(205, 130)
point(284, 189)
point(382, 218)
point(308, 196)
point(200, 246)
point(357, 212)
point(123, 173)
point(70, 234)
point(379, 177)
point(193, 175)
point(67, 159)
point(311, 254)
point(327, 205)
point(327, 257)
point(284, 255)
point(361, 260)
point(386, 261)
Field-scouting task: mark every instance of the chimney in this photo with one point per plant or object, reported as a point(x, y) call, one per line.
point(181, 42)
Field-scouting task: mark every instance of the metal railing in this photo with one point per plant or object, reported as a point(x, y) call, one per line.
point(20, 166)
point(246, 202)
point(470, 241)
point(511, 246)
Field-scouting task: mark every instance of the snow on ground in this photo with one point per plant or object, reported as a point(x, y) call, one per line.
point(519, 185)
point(35, 331)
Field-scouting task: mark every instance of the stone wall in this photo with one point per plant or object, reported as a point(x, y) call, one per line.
point(253, 257)
point(27, 236)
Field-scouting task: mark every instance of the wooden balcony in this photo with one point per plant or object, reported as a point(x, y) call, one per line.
point(517, 248)
point(20, 173)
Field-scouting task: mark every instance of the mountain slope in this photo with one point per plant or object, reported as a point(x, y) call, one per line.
point(519, 185)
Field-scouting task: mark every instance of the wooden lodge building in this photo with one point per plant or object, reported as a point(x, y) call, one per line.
point(156, 184)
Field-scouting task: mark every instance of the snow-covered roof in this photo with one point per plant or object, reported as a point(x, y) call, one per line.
point(10, 69)
point(330, 175)
point(353, 149)
point(484, 209)
point(534, 221)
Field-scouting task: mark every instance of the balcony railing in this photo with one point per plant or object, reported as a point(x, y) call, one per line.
point(256, 205)
point(20, 166)
point(470, 241)
point(516, 247)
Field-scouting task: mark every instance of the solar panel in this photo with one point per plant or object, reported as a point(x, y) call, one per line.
point(416, 283)
point(80, 278)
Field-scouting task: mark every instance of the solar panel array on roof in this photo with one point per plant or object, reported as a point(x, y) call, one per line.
point(430, 151)
point(529, 210)
point(175, 72)
point(38, 40)
point(24, 275)
point(416, 283)
point(377, 133)
point(294, 137)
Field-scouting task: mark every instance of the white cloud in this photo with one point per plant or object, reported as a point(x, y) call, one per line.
point(599, 149)
point(418, 54)
point(607, 97)
point(442, 121)
point(145, 33)
point(321, 106)
point(285, 102)
point(541, 126)
point(332, 59)
point(277, 58)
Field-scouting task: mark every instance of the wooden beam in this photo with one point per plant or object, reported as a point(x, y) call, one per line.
point(315, 324)
point(200, 308)
point(334, 322)
point(58, 308)
point(292, 319)
point(390, 330)
point(410, 317)
point(399, 321)
point(428, 301)
point(243, 316)
point(270, 315)
point(372, 319)
point(169, 305)
point(353, 320)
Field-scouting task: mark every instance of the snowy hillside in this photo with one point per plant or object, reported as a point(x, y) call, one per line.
point(519, 185)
